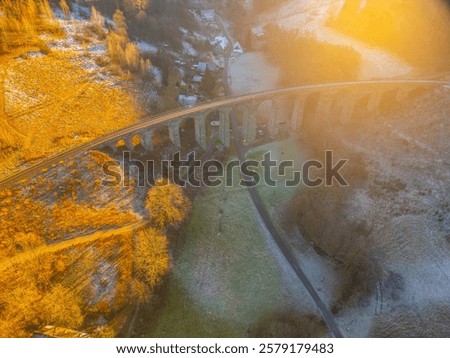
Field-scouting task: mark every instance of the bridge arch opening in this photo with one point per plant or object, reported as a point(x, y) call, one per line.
point(212, 124)
point(361, 108)
point(187, 133)
point(311, 106)
point(121, 145)
point(388, 102)
point(160, 138)
point(339, 110)
point(417, 92)
point(136, 142)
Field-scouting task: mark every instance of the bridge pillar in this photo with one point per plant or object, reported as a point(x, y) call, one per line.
point(274, 125)
point(297, 112)
point(129, 142)
point(249, 126)
point(374, 101)
point(324, 106)
point(112, 147)
point(224, 129)
point(174, 134)
point(347, 105)
point(146, 140)
point(200, 130)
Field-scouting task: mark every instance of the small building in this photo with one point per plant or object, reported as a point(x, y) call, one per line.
point(201, 67)
point(238, 48)
point(258, 38)
point(212, 67)
point(186, 101)
point(197, 79)
point(220, 41)
point(208, 15)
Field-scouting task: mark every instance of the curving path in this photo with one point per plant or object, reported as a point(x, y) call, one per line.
point(64, 244)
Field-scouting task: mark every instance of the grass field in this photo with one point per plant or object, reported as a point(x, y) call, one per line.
point(228, 277)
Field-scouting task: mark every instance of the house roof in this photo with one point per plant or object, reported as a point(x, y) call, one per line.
point(202, 66)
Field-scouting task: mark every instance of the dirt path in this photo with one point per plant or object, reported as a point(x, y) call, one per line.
point(61, 245)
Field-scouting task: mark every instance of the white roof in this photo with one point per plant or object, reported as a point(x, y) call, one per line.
point(184, 100)
point(202, 66)
point(221, 41)
point(258, 31)
point(208, 15)
point(238, 48)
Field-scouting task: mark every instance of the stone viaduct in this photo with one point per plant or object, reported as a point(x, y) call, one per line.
point(289, 108)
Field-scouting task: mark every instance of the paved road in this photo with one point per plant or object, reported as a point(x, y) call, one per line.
point(277, 238)
point(284, 246)
point(149, 122)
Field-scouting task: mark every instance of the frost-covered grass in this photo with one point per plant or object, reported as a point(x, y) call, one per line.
point(288, 149)
point(227, 277)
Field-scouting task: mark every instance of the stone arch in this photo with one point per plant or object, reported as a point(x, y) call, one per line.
point(388, 101)
point(121, 145)
point(311, 105)
point(343, 106)
point(407, 93)
point(187, 132)
point(137, 142)
point(212, 124)
point(160, 137)
point(361, 107)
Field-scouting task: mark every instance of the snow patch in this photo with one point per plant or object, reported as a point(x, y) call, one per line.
point(188, 49)
point(145, 46)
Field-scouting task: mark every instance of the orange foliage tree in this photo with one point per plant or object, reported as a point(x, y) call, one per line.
point(167, 205)
point(151, 262)
point(121, 50)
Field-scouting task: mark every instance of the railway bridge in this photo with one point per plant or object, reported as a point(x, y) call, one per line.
point(285, 109)
point(282, 109)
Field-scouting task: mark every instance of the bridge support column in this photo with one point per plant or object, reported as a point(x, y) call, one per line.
point(200, 130)
point(249, 125)
point(146, 140)
point(347, 106)
point(174, 134)
point(274, 125)
point(323, 110)
point(112, 147)
point(297, 113)
point(224, 129)
point(129, 142)
point(374, 101)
